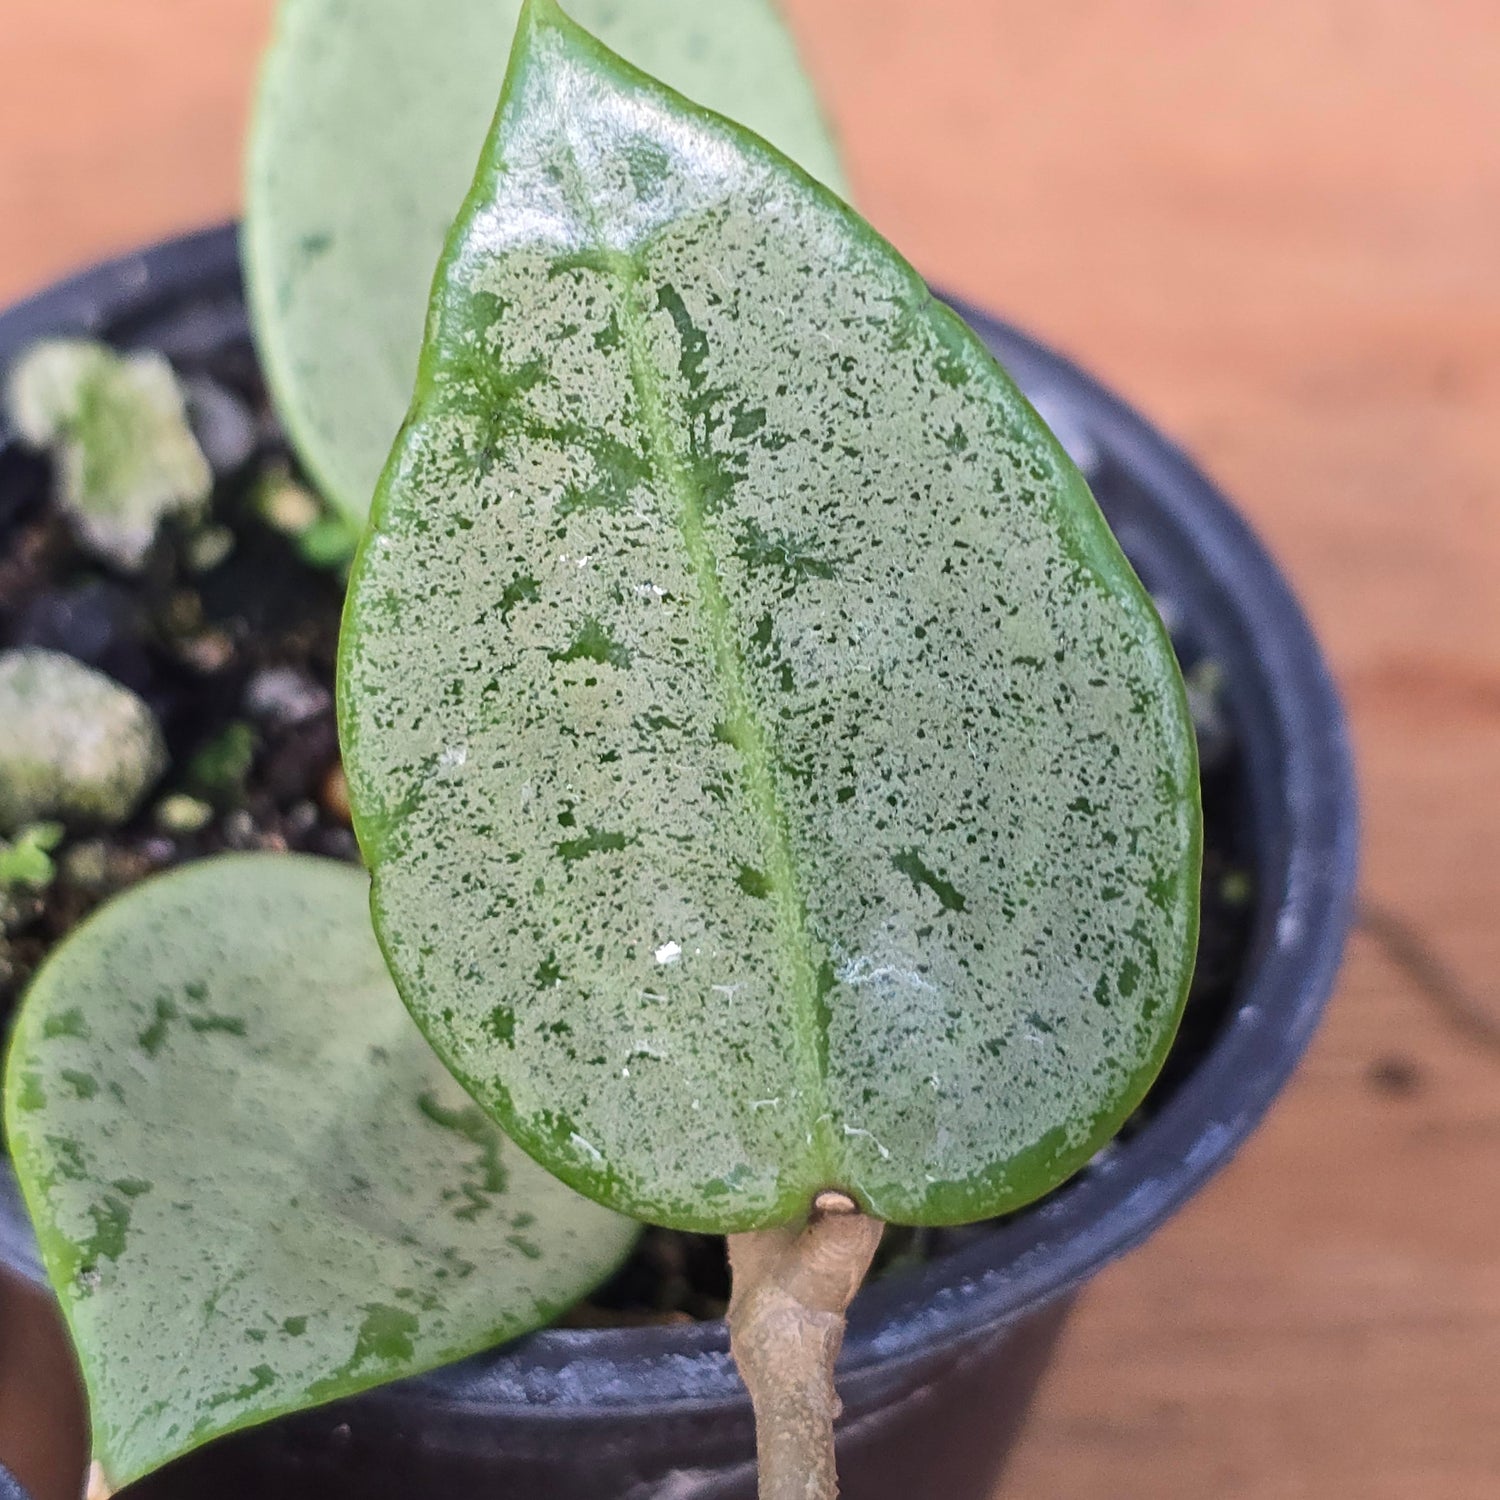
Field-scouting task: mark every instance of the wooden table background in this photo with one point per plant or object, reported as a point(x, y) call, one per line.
point(1275, 224)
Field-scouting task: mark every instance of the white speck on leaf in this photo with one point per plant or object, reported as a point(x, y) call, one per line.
point(863, 970)
point(577, 1140)
point(885, 1155)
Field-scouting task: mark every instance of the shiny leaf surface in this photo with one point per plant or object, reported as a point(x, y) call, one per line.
point(773, 776)
point(255, 1188)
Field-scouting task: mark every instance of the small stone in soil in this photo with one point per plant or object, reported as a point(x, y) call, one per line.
point(87, 865)
point(74, 744)
point(287, 506)
point(285, 696)
point(334, 794)
point(182, 814)
point(207, 548)
point(208, 653)
point(301, 818)
point(183, 613)
point(239, 830)
point(299, 757)
point(157, 851)
point(124, 455)
point(221, 422)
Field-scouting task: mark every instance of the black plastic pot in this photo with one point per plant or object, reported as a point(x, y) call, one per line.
point(940, 1363)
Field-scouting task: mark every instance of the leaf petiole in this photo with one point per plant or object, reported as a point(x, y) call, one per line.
point(792, 1286)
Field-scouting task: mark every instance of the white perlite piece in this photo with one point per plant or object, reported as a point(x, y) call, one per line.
point(125, 454)
point(73, 742)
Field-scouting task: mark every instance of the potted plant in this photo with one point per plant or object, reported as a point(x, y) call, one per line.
point(205, 977)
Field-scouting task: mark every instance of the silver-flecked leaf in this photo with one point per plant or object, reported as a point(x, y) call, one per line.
point(369, 121)
point(773, 776)
point(255, 1188)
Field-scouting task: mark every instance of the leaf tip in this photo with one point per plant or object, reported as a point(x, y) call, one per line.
point(541, 16)
point(544, 27)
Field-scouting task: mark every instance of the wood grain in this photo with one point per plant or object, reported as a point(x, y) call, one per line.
point(1276, 225)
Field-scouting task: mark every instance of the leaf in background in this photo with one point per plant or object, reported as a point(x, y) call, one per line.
point(369, 122)
point(255, 1188)
point(773, 775)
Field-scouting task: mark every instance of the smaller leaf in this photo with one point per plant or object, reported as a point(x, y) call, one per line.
point(26, 861)
point(255, 1187)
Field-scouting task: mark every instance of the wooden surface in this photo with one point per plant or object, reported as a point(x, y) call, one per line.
point(1275, 224)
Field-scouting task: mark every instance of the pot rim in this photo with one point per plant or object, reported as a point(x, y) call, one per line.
point(1302, 784)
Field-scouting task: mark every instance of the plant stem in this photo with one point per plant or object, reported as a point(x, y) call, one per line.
point(792, 1286)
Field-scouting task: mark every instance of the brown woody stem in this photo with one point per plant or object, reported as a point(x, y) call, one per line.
point(792, 1286)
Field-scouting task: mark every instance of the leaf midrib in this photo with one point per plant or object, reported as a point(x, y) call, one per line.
point(799, 965)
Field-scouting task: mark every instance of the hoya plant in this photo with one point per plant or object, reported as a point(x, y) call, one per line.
point(777, 794)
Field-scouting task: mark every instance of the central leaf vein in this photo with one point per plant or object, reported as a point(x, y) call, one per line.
point(806, 977)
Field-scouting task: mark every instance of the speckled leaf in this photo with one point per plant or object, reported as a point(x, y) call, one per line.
point(255, 1188)
point(369, 121)
point(774, 777)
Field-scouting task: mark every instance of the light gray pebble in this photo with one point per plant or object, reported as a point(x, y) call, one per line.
point(74, 744)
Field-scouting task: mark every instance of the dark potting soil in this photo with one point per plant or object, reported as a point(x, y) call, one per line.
point(229, 634)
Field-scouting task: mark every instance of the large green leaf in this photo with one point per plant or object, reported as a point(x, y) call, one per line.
point(773, 776)
point(254, 1186)
point(370, 118)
